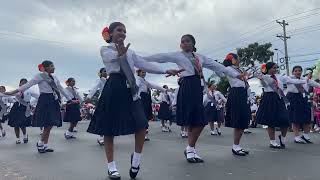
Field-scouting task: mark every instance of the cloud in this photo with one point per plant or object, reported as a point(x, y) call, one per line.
point(69, 32)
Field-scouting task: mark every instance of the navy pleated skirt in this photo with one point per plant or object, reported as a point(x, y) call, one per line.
point(300, 108)
point(17, 116)
point(164, 111)
point(72, 113)
point(47, 112)
point(238, 113)
point(272, 111)
point(116, 113)
point(147, 104)
point(190, 110)
point(211, 113)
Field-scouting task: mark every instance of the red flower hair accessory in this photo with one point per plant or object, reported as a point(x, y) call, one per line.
point(106, 34)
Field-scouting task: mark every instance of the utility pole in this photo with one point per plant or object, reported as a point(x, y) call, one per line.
point(284, 38)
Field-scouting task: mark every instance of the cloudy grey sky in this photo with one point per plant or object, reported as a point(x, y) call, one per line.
point(68, 32)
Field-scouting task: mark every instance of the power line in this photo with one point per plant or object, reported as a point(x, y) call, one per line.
point(301, 55)
point(261, 28)
point(304, 32)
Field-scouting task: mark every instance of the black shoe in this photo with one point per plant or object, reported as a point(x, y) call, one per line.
point(308, 141)
point(240, 152)
point(190, 160)
point(146, 138)
point(132, 174)
point(245, 151)
point(69, 136)
point(41, 149)
point(219, 132)
point(26, 140)
point(101, 143)
point(114, 175)
point(299, 142)
point(275, 147)
point(18, 141)
point(48, 150)
point(199, 160)
point(282, 145)
point(3, 133)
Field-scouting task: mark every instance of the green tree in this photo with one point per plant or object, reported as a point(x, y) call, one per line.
point(255, 52)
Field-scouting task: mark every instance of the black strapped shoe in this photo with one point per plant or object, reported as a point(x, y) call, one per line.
point(282, 145)
point(190, 160)
point(240, 152)
point(133, 174)
point(114, 175)
point(308, 141)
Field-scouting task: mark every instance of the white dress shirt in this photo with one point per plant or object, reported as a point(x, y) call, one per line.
point(28, 95)
point(110, 59)
point(219, 97)
point(74, 94)
point(183, 62)
point(165, 97)
point(311, 83)
point(99, 85)
point(232, 75)
point(145, 85)
point(268, 82)
point(44, 87)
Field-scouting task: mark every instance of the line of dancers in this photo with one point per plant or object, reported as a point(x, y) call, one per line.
point(124, 105)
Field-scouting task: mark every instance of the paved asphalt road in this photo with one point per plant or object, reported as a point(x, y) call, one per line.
point(83, 159)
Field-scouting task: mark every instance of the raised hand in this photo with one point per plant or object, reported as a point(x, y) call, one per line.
point(174, 72)
point(122, 50)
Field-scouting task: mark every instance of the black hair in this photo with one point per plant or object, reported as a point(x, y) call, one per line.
point(228, 62)
point(46, 63)
point(70, 79)
point(101, 69)
point(112, 27)
point(317, 80)
point(3, 87)
point(23, 79)
point(296, 67)
point(164, 86)
point(269, 65)
point(193, 40)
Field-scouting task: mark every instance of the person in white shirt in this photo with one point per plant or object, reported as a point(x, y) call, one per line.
point(254, 108)
point(272, 111)
point(20, 113)
point(145, 94)
point(300, 108)
point(238, 113)
point(48, 111)
point(3, 110)
point(165, 109)
point(72, 114)
point(190, 110)
point(99, 84)
point(119, 110)
point(214, 102)
point(184, 129)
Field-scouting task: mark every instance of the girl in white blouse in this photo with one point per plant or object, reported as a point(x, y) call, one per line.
point(119, 110)
point(190, 110)
point(238, 112)
point(145, 94)
point(272, 111)
point(72, 114)
point(47, 113)
point(300, 108)
point(20, 113)
point(99, 84)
